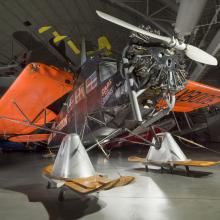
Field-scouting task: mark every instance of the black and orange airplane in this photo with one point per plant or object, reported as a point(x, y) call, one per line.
point(113, 97)
point(113, 101)
point(157, 85)
point(24, 105)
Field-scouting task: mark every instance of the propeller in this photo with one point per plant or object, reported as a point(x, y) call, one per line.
point(192, 52)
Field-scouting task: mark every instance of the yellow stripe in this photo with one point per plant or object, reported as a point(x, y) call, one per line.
point(43, 29)
point(73, 47)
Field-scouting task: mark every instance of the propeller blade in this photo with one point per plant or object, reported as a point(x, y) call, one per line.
point(199, 55)
point(192, 52)
point(131, 26)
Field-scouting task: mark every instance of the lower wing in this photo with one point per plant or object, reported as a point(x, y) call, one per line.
point(194, 96)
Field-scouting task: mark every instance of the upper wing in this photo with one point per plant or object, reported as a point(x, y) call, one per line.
point(37, 86)
point(195, 96)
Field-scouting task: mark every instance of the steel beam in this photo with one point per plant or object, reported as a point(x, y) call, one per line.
point(188, 16)
point(214, 19)
point(213, 48)
point(171, 4)
point(138, 13)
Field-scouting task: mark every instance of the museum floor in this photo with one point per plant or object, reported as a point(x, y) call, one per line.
point(23, 193)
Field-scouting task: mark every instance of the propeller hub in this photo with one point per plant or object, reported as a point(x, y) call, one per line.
point(175, 43)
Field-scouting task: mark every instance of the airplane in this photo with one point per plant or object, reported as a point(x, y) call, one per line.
point(115, 101)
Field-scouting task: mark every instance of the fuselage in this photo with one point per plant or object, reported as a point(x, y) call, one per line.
point(89, 107)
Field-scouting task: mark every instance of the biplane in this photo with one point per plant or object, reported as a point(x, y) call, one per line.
point(121, 99)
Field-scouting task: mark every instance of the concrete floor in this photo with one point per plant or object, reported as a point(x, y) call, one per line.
point(23, 193)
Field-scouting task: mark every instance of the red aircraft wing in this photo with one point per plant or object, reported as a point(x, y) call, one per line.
point(37, 86)
point(194, 96)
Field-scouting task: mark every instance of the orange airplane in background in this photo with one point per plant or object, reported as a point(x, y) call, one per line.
point(24, 106)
